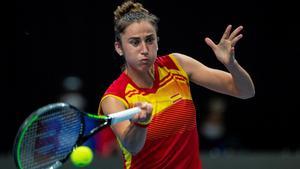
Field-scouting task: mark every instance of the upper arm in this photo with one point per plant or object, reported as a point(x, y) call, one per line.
point(200, 74)
point(111, 105)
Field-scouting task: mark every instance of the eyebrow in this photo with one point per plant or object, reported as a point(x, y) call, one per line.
point(136, 38)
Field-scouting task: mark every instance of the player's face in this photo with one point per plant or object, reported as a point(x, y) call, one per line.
point(139, 45)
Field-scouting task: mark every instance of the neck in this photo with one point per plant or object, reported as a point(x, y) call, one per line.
point(141, 79)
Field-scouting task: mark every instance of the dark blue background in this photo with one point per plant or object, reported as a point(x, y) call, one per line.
point(55, 39)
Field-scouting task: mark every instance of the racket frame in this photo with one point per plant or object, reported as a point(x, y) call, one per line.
point(82, 138)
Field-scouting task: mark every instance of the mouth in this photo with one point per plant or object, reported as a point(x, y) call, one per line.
point(145, 61)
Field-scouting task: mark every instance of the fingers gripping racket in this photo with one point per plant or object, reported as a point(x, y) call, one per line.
point(47, 137)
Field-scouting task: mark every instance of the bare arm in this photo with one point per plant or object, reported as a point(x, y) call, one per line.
point(132, 137)
point(236, 82)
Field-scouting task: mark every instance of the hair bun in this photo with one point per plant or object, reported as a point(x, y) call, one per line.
point(127, 7)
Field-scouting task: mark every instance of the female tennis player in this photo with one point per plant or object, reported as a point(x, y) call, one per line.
point(165, 134)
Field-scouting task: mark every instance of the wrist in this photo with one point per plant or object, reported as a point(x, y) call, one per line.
point(141, 125)
point(231, 65)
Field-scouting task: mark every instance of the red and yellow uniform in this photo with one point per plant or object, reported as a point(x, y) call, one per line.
point(172, 137)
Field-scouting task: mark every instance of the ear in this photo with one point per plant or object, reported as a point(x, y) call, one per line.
point(118, 48)
point(157, 42)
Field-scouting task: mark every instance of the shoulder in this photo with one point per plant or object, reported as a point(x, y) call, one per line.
point(166, 61)
point(173, 59)
point(181, 58)
point(188, 63)
point(117, 87)
point(114, 94)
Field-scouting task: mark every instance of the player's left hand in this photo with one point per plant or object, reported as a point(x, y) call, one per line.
point(224, 50)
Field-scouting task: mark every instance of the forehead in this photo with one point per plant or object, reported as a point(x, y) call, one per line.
point(137, 29)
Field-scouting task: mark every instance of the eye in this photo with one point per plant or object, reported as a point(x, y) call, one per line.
point(134, 42)
point(150, 40)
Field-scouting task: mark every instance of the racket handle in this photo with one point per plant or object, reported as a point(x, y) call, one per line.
point(123, 115)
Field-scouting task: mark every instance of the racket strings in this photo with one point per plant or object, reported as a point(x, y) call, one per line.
point(50, 138)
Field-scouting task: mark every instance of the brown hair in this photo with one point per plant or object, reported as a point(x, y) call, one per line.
point(130, 12)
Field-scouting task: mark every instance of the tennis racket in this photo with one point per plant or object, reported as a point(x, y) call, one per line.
point(48, 136)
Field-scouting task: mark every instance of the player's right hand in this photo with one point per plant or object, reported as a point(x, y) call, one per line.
point(145, 116)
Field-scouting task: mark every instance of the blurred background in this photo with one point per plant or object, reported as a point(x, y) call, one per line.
point(64, 52)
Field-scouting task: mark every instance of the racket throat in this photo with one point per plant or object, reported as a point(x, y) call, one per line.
point(93, 132)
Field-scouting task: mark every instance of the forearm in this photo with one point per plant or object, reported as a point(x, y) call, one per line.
point(133, 138)
point(242, 82)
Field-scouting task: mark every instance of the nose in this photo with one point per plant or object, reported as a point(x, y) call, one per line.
point(145, 49)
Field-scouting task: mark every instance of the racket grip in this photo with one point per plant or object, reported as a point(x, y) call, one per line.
point(123, 115)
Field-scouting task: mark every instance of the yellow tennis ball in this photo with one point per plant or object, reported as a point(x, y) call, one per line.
point(82, 156)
